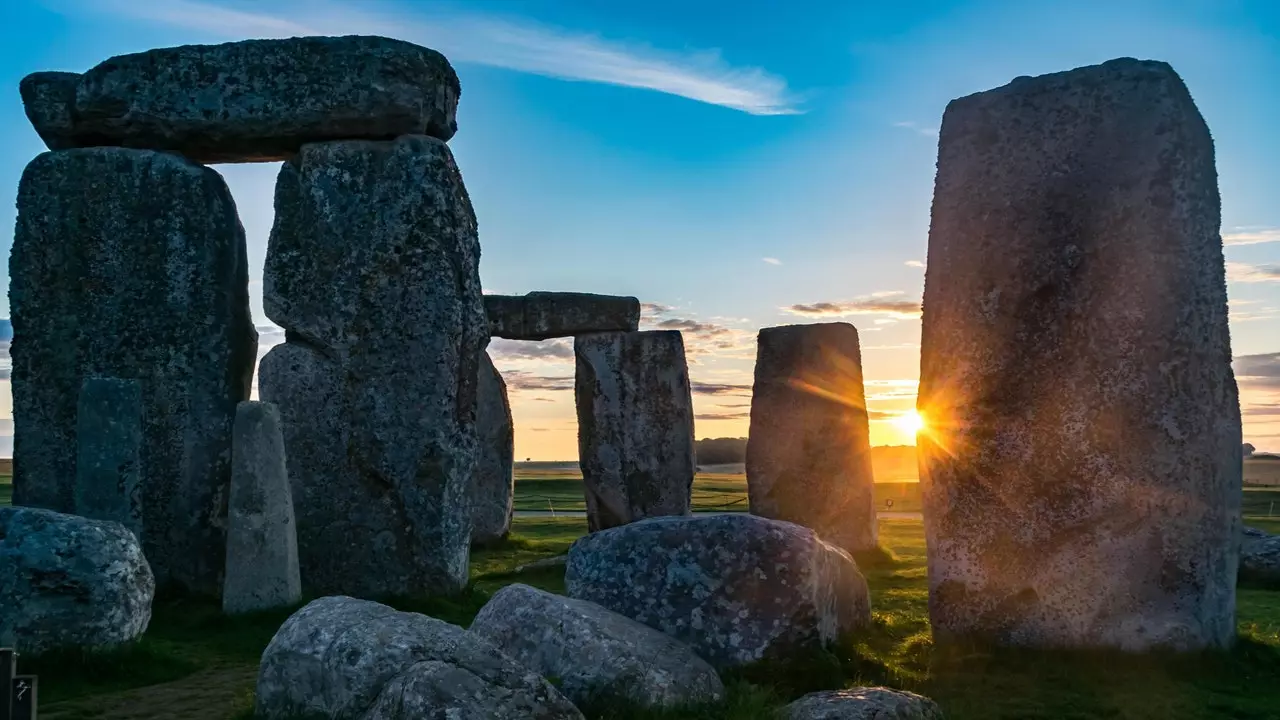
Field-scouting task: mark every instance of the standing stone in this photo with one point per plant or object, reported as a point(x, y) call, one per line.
point(373, 271)
point(635, 426)
point(809, 449)
point(131, 264)
point(108, 452)
point(248, 101)
point(1082, 477)
point(262, 547)
point(493, 490)
point(545, 315)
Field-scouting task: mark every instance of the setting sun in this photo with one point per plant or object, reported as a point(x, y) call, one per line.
point(910, 422)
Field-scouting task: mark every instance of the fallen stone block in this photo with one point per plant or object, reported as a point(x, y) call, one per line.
point(865, 703)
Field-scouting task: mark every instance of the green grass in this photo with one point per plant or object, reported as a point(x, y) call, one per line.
point(6, 489)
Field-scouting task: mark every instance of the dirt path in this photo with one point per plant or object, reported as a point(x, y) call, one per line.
point(214, 694)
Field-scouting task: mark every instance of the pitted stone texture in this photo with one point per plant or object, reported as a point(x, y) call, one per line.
point(1082, 476)
point(809, 449)
point(594, 652)
point(373, 271)
point(262, 547)
point(544, 315)
point(68, 581)
point(493, 490)
point(635, 426)
point(131, 264)
point(873, 703)
point(735, 588)
point(343, 658)
point(109, 452)
point(250, 101)
point(1260, 556)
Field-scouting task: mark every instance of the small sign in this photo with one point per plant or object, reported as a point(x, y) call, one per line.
point(888, 503)
point(17, 692)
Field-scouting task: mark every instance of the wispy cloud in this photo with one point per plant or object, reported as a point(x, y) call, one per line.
point(876, 304)
point(559, 348)
point(1251, 236)
point(914, 263)
point(1243, 272)
point(916, 127)
point(772, 261)
point(523, 380)
point(706, 388)
point(1258, 372)
point(722, 416)
point(520, 45)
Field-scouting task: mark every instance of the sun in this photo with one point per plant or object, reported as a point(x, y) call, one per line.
point(910, 422)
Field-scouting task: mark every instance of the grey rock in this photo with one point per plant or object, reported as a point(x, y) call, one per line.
point(376, 382)
point(593, 652)
point(544, 315)
point(493, 490)
point(736, 588)
point(810, 436)
point(865, 703)
point(70, 582)
point(635, 426)
point(1260, 556)
point(109, 444)
point(249, 101)
point(342, 658)
point(131, 264)
point(262, 547)
point(1082, 477)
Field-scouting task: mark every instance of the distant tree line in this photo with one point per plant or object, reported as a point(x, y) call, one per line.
point(720, 451)
point(890, 462)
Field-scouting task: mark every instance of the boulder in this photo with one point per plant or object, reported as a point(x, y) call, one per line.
point(1081, 478)
point(1260, 556)
point(866, 703)
point(249, 101)
point(635, 426)
point(109, 445)
point(262, 547)
point(736, 588)
point(131, 264)
point(377, 378)
point(810, 437)
point(342, 658)
point(70, 582)
point(545, 315)
point(593, 652)
point(493, 488)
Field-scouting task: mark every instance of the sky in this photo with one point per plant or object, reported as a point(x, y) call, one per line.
point(734, 166)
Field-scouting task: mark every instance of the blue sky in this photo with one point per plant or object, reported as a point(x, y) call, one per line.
point(726, 162)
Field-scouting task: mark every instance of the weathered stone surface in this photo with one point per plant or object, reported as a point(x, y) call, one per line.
point(131, 264)
point(873, 703)
point(736, 588)
point(68, 581)
point(809, 449)
point(109, 452)
point(1082, 474)
point(493, 489)
point(376, 382)
point(341, 658)
point(262, 547)
point(635, 426)
point(250, 101)
point(544, 315)
point(594, 652)
point(1260, 556)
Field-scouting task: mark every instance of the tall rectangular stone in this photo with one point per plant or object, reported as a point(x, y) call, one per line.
point(493, 490)
point(109, 444)
point(373, 271)
point(809, 448)
point(1081, 469)
point(131, 264)
point(635, 426)
point(262, 546)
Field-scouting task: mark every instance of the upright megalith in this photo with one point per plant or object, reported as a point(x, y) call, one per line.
point(493, 490)
point(809, 449)
point(635, 426)
point(262, 547)
point(1082, 473)
point(373, 270)
point(131, 264)
point(109, 442)
point(248, 101)
point(545, 315)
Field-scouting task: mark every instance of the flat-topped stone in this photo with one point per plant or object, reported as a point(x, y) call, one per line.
point(545, 315)
point(249, 101)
